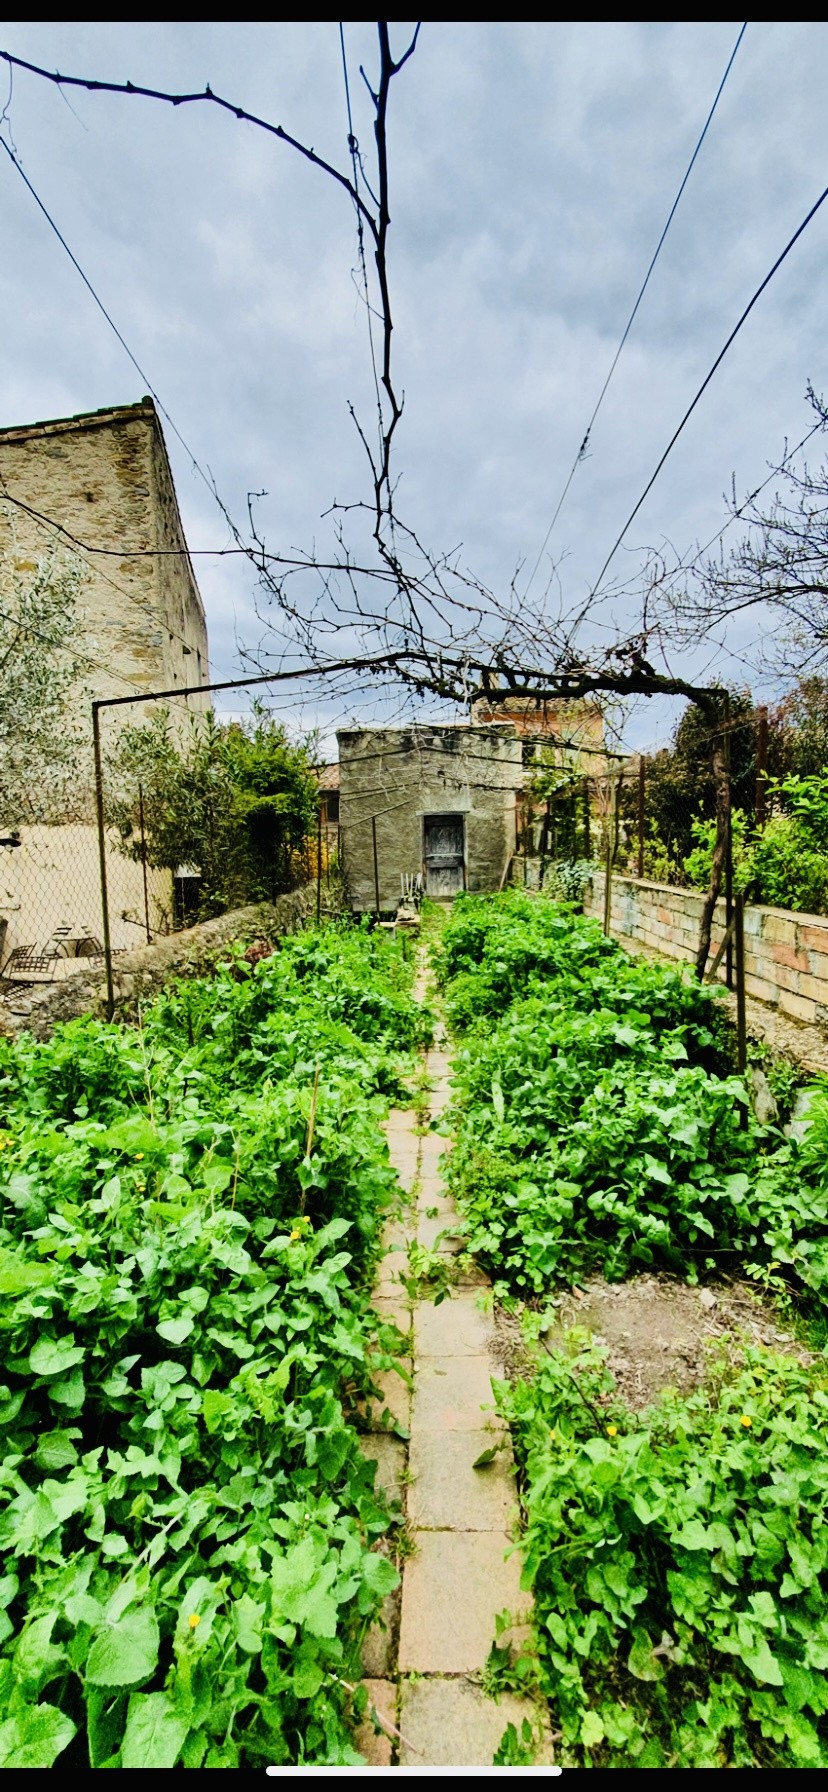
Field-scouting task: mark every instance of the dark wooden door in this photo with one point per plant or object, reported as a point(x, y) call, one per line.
point(443, 853)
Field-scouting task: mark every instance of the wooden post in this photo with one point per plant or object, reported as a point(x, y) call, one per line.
point(319, 865)
point(525, 844)
point(544, 845)
point(376, 865)
point(587, 820)
point(642, 773)
point(761, 765)
point(741, 1020)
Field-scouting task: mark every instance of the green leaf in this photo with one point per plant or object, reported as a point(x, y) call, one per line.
point(154, 1734)
point(762, 1664)
point(53, 1356)
point(641, 1661)
point(215, 1406)
point(307, 1679)
point(125, 1653)
point(56, 1450)
point(379, 1574)
point(174, 1331)
point(592, 1729)
point(36, 1660)
point(35, 1737)
point(486, 1458)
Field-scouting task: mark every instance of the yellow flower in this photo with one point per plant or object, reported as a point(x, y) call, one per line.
point(295, 1234)
point(612, 1431)
point(193, 1620)
point(138, 1156)
point(746, 1421)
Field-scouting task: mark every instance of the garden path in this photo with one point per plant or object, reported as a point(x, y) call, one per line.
point(424, 1663)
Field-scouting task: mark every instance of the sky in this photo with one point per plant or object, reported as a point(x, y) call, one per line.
point(532, 170)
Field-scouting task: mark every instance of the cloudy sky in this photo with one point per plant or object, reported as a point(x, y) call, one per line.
point(533, 167)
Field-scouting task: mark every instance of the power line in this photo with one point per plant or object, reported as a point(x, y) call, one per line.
point(706, 382)
point(631, 319)
point(196, 464)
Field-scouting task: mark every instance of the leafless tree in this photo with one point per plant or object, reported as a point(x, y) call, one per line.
point(385, 602)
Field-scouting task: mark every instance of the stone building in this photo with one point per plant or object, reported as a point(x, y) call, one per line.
point(73, 485)
point(103, 480)
point(439, 801)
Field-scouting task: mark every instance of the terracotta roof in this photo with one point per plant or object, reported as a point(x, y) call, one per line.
point(327, 777)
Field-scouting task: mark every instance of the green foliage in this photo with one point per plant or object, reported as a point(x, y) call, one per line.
point(678, 1561)
point(190, 1222)
point(698, 864)
point(234, 801)
point(598, 1129)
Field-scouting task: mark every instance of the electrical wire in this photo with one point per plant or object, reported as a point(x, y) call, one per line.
point(631, 319)
point(706, 382)
point(196, 464)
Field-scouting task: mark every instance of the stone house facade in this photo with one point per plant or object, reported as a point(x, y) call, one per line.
point(439, 801)
point(73, 485)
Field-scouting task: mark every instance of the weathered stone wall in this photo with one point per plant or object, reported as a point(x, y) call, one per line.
point(139, 975)
point(786, 954)
point(105, 478)
point(400, 775)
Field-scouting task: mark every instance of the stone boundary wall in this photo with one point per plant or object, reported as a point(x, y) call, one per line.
point(140, 974)
point(786, 954)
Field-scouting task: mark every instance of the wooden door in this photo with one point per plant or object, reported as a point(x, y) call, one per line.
point(443, 854)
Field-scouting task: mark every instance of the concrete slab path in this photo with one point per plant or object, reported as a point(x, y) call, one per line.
point(424, 1662)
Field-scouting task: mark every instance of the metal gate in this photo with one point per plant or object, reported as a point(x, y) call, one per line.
point(443, 853)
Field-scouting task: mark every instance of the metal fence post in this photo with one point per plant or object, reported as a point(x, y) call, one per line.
point(376, 865)
point(641, 781)
point(144, 863)
point(729, 847)
point(319, 865)
point(741, 1018)
point(610, 855)
point(99, 808)
point(761, 765)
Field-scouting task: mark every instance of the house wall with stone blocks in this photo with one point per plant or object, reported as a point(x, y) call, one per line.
point(104, 479)
point(401, 775)
point(786, 954)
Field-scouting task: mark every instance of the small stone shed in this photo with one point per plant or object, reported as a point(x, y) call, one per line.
point(436, 800)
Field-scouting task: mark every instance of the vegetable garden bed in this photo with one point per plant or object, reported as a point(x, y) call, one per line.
point(677, 1555)
point(191, 1219)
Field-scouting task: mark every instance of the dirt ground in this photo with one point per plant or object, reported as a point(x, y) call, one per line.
point(657, 1331)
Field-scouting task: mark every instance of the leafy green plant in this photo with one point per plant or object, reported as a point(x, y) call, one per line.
point(190, 1220)
point(677, 1560)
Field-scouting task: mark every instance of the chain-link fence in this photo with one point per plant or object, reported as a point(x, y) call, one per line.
point(181, 816)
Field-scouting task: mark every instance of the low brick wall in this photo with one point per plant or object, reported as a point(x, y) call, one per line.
point(138, 975)
point(786, 955)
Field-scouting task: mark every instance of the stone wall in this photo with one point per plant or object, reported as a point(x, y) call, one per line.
point(400, 775)
point(139, 975)
point(105, 478)
point(786, 954)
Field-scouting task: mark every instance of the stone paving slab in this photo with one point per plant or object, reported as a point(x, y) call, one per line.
point(379, 1650)
point(432, 1147)
point(437, 1234)
point(431, 1193)
point(451, 1723)
point(456, 1328)
point(376, 1748)
point(447, 1493)
point(453, 1394)
point(389, 1454)
point(453, 1588)
point(394, 1309)
point(394, 1399)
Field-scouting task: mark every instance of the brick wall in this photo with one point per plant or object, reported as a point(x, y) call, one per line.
point(786, 955)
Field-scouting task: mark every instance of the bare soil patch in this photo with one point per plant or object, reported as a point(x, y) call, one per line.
point(658, 1331)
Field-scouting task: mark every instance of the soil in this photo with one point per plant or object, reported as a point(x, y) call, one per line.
point(658, 1332)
